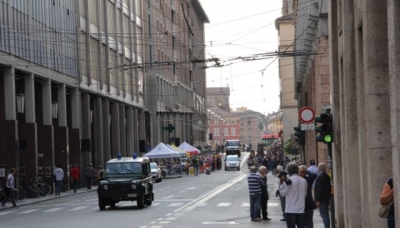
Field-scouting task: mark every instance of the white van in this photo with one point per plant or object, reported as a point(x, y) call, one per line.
point(232, 147)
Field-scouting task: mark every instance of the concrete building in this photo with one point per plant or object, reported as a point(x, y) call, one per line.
point(218, 97)
point(222, 126)
point(252, 125)
point(175, 77)
point(40, 99)
point(364, 38)
point(289, 107)
point(312, 70)
point(273, 122)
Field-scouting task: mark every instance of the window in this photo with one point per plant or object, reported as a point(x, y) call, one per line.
point(226, 131)
point(233, 131)
point(216, 131)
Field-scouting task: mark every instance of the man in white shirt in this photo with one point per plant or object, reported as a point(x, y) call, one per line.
point(58, 178)
point(9, 190)
point(295, 197)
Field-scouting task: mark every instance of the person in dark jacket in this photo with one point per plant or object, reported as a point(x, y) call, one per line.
point(264, 192)
point(386, 198)
point(310, 205)
point(323, 193)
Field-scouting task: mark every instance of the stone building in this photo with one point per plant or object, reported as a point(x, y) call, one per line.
point(175, 74)
point(218, 97)
point(273, 122)
point(364, 45)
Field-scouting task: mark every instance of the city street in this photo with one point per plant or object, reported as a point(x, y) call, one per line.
point(219, 199)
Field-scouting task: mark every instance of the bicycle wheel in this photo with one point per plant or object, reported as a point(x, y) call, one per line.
point(47, 188)
point(42, 190)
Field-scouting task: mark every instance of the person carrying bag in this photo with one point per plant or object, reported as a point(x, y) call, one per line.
point(387, 209)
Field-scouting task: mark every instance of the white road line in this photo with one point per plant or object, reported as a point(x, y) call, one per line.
point(175, 204)
point(53, 209)
point(168, 197)
point(28, 211)
point(164, 222)
point(245, 204)
point(78, 208)
point(155, 204)
point(7, 212)
point(273, 204)
point(171, 218)
point(200, 204)
point(223, 204)
point(219, 223)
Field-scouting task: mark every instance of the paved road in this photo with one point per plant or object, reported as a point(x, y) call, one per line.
point(215, 200)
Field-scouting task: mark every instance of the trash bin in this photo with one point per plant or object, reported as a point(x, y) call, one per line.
point(191, 171)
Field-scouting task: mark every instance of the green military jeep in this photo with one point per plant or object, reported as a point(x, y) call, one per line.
point(126, 179)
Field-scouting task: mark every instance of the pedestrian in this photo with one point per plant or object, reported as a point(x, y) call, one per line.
point(310, 205)
point(58, 174)
point(282, 199)
point(195, 162)
point(323, 194)
point(89, 176)
point(313, 169)
point(264, 193)
point(9, 189)
point(295, 194)
point(101, 173)
point(75, 175)
point(386, 198)
point(254, 181)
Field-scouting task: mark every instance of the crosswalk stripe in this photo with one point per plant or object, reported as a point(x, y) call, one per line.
point(78, 208)
point(175, 204)
point(53, 209)
point(245, 204)
point(7, 212)
point(28, 211)
point(223, 204)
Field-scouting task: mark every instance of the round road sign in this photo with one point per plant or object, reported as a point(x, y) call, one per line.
point(306, 114)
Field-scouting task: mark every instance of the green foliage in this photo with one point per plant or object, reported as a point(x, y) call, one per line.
point(261, 126)
point(290, 149)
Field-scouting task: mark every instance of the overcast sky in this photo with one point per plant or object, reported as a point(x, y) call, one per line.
point(241, 28)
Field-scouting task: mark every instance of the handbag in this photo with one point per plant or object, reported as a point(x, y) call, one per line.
point(385, 209)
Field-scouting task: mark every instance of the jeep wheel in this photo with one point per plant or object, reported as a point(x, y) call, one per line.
point(140, 201)
point(102, 204)
point(149, 199)
point(112, 204)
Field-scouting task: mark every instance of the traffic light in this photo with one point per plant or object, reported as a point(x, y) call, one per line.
point(299, 135)
point(326, 129)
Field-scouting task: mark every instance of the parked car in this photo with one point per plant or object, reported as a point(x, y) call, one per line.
point(155, 172)
point(232, 162)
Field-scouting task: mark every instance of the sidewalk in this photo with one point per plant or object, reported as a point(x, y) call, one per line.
point(28, 201)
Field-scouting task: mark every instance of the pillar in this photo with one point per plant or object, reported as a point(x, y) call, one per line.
point(115, 131)
point(62, 106)
point(74, 131)
point(335, 86)
point(122, 123)
point(9, 93)
point(106, 130)
point(394, 72)
point(98, 132)
point(135, 131)
point(377, 107)
point(129, 131)
point(86, 156)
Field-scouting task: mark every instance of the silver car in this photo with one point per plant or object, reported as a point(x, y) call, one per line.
point(155, 172)
point(232, 162)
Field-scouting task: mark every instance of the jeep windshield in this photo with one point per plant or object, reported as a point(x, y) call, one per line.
point(124, 168)
point(232, 143)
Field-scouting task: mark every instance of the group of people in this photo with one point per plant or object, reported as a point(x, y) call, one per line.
point(301, 190)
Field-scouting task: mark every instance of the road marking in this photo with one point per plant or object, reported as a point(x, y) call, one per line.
point(219, 223)
point(168, 197)
point(166, 200)
point(155, 204)
point(191, 188)
point(53, 209)
point(175, 204)
point(245, 204)
point(155, 227)
point(164, 222)
point(78, 208)
point(200, 204)
point(223, 204)
point(7, 212)
point(273, 204)
point(28, 211)
point(171, 218)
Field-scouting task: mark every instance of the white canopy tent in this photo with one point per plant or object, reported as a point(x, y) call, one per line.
point(162, 151)
point(188, 148)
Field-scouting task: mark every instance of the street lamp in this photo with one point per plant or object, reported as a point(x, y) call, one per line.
point(54, 109)
point(20, 102)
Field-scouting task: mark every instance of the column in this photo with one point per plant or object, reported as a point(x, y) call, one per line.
point(61, 136)
point(377, 105)
point(122, 129)
point(86, 156)
point(350, 156)
point(135, 131)
point(62, 106)
point(30, 114)
point(74, 131)
point(130, 139)
point(394, 71)
point(9, 93)
point(106, 130)
point(115, 132)
point(98, 132)
point(46, 103)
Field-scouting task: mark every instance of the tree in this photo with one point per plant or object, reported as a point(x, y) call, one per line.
point(290, 149)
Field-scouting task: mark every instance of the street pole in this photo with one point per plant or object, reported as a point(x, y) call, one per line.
point(332, 196)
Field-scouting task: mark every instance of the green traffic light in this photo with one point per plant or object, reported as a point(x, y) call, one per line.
point(327, 138)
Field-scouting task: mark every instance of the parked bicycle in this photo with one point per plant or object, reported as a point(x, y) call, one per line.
point(37, 187)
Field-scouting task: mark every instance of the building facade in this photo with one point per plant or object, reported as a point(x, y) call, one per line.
point(274, 123)
point(252, 125)
point(175, 74)
point(218, 97)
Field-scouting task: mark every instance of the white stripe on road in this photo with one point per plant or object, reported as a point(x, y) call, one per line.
point(78, 208)
point(28, 211)
point(53, 209)
point(7, 212)
point(175, 204)
point(245, 204)
point(273, 204)
point(223, 204)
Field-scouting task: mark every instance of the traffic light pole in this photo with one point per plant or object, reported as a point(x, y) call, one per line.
point(332, 196)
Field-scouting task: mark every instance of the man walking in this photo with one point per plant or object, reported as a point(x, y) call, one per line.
point(75, 175)
point(101, 173)
point(9, 190)
point(264, 192)
point(279, 169)
point(58, 174)
point(309, 210)
point(254, 181)
point(295, 194)
point(89, 176)
point(323, 194)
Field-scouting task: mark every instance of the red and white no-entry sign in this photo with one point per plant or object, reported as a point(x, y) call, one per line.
point(306, 115)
